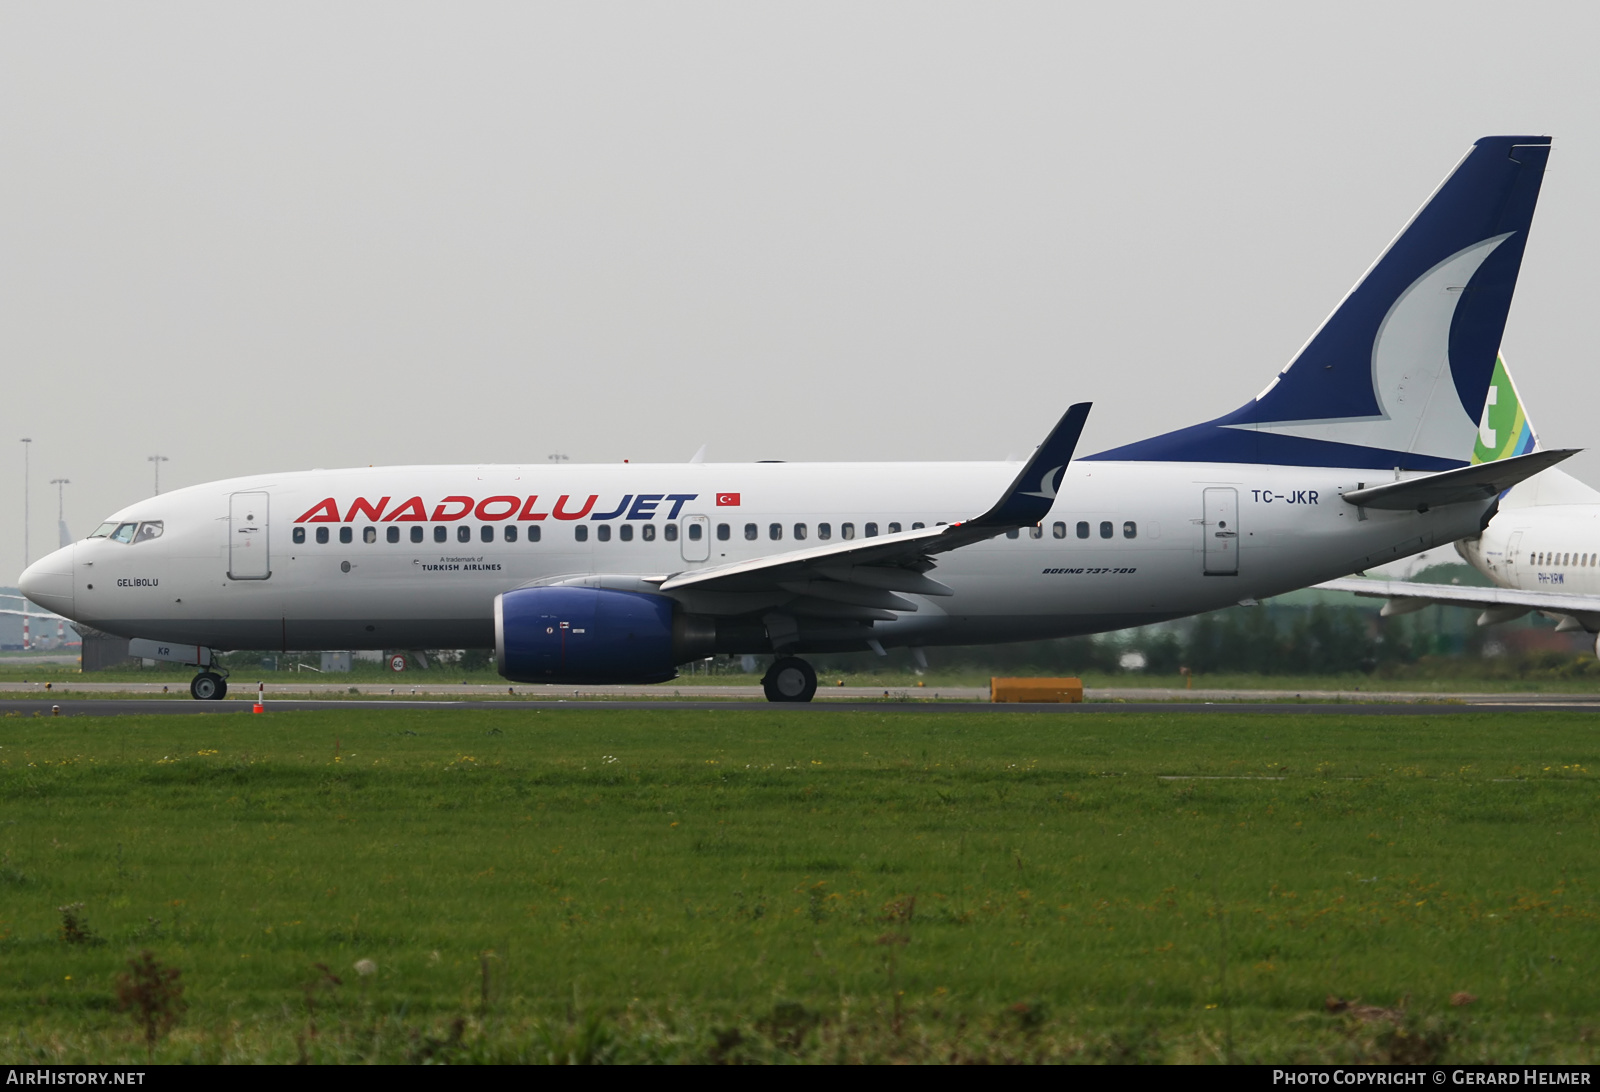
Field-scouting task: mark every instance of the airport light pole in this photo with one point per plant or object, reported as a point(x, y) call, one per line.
point(158, 460)
point(61, 504)
point(27, 446)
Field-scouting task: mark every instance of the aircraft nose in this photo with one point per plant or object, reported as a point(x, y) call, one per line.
point(49, 581)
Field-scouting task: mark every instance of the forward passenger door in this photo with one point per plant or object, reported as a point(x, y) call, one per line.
point(248, 557)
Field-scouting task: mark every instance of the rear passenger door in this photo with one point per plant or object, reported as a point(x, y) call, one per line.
point(1221, 530)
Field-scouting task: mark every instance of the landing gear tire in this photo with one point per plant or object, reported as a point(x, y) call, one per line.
point(790, 679)
point(208, 686)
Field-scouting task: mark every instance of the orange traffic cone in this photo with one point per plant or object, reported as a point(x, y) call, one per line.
point(261, 695)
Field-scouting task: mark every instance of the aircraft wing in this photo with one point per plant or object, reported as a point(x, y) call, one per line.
point(1498, 604)
point(859, 579)
point(1465, 483)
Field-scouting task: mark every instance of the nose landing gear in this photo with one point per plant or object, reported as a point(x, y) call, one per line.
point(790, 679)
point(208, 686)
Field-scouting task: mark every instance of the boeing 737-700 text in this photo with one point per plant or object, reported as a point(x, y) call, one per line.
point(1357, 453)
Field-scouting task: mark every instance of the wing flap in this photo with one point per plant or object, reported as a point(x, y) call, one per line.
point(889, 579)
point(835, 592)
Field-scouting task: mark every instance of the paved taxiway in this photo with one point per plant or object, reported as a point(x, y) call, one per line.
point(243, 688)
point(110, 707)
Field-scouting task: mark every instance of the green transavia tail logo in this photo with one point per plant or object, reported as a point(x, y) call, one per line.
point(1505, 429)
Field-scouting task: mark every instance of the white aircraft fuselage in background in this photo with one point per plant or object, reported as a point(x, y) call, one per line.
point(1545, 537)
point(1541, 550)
point(1361, 451)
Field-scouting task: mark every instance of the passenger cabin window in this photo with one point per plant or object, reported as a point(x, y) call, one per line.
point(392, 534)
point(486, 533)
point(580, 533)
point(1105, 529)
point(1058, 530)
point(149, 529)
point(1130, 529)
point(322, 535)
point(648, 532)
point(441, 534)
point(824, 531)
point(847, 530)
point(299, 535)
point(799, 531)
point(511, 532)
point(670, 532)
point(775, 532)
point(534, 533)
point(1036, 531)
point(696, 532)
point(1013, 533)
point(625, 532)
point(369, 535)
point(871, 530)
point(1083, 528)
point(918, 526)
point(347, 535)
point(604, 532)
point(416, 534)
point(751, 531)
point(724, 532)
point(463, 533)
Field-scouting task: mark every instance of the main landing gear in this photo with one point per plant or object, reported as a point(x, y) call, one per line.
point(790, 679)
point(208, 686)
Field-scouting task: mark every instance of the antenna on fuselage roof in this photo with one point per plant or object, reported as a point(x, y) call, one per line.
point(699, 456)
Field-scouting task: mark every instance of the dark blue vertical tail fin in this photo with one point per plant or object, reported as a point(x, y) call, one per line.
point(1398, 374)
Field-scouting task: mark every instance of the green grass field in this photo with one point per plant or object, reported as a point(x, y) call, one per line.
point(673, 885)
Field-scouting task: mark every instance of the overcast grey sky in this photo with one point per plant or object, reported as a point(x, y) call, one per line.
point(257, 237)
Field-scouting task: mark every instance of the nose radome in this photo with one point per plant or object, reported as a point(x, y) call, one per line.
point(49, 581)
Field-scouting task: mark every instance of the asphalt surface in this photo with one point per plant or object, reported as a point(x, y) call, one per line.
point(113, 707)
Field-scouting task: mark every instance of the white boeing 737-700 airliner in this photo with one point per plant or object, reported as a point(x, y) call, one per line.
point(1357, 453)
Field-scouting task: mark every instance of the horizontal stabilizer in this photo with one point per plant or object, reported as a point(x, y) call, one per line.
point(1459, 486)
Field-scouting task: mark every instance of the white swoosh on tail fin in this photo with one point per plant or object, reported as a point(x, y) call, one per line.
point(1419, 409)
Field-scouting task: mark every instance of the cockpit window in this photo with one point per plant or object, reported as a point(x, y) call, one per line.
point(130, 532)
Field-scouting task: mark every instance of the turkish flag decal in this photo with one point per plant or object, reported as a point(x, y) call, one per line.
point(727, 500)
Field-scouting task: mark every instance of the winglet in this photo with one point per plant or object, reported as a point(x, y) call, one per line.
point(1030, 497)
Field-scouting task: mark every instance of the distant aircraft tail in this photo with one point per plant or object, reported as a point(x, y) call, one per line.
point(1398, 375)
point(1506, 428)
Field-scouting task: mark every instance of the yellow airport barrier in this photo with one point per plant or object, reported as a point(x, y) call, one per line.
point(1059, 690)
